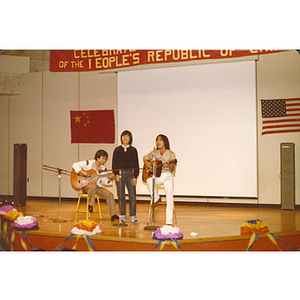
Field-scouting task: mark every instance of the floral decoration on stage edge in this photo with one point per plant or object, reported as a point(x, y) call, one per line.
point(254, 226)
point(88, 227)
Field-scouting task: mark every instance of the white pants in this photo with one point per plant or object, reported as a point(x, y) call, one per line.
point(167, 179)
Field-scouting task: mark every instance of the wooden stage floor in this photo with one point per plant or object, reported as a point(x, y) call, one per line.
point(212, 223)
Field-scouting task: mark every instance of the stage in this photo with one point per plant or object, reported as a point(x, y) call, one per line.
point(217, 229)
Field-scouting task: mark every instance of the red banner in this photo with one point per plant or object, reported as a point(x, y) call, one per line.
point(100, 60)
point(92, 126)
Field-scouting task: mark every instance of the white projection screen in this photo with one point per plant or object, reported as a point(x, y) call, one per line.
point(208, 113)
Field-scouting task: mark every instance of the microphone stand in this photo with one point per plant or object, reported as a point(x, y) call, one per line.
point(153, 227)
point(60, 171)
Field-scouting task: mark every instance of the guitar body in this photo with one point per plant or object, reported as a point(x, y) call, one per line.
point(79, 181)
point(148, 172)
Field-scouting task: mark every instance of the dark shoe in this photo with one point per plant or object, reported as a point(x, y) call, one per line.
point(90, 208)
point(114, 218)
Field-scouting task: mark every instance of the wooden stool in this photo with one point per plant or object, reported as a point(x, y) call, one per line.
point(163, 202)
point(87, 206)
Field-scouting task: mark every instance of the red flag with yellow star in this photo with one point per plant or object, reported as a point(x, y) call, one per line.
point(92, 126)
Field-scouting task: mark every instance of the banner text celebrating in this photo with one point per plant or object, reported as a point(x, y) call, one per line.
point(92, 60)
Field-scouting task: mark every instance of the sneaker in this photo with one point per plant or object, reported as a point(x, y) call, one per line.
point(133, 219)
point(123, 218)
point(90, 208)
point(114, 218)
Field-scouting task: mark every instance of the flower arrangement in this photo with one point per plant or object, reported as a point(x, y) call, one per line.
point(254, 226)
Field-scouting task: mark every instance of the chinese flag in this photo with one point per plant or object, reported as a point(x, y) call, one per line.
point(92, 126)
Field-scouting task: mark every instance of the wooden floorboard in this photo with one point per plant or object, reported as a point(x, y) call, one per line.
point(210, 223)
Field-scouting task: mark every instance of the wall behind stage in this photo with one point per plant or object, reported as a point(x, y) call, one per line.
point(209, 114)
point(39, 116)
point(278, 77)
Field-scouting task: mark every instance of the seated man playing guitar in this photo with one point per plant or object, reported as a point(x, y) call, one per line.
point(166, 160)
point(95, 168)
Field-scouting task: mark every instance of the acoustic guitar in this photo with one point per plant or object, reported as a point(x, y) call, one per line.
point(148, 171)
point(79, 181)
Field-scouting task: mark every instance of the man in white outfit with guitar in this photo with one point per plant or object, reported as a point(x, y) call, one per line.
point(91, 176)
point(166, 162)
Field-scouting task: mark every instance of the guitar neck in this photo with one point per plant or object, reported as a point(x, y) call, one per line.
point(99, 176)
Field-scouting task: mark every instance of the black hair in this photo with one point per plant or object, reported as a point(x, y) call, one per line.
point(165, 140)
point(127, 132)
point(100, 153)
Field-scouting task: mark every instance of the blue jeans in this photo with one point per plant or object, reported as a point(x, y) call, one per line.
point(125, 180)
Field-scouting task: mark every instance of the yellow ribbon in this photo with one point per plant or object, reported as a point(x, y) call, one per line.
point(90, 248)
point(13, 235)
point(254, 238)
point(273, 240)
point(1, 227)
point(12, 241)
point(74, 247)
point(23, 242)
point(251, 240)
point(77, 238)
point(5, 230)
point(175, 246)
point(163, 243)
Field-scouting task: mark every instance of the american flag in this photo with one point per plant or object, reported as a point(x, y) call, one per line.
point(280, 116)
